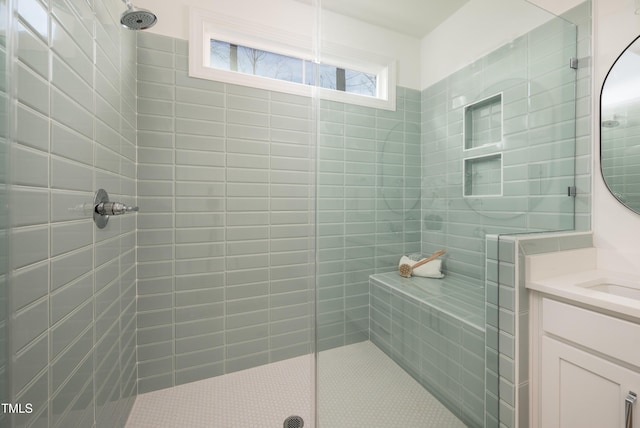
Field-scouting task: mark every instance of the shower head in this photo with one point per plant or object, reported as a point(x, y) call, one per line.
point(611, 123)
point(137, 19)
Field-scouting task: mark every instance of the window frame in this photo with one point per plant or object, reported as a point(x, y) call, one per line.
point(206, 25)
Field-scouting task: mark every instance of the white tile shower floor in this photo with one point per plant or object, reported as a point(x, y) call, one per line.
point(359, 386)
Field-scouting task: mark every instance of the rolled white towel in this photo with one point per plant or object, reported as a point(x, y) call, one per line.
point(432, 269)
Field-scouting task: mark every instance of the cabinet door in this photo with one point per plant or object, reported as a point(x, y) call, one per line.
point(582, 390)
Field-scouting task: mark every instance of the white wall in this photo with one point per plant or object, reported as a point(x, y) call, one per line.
point(173, 15)
point(344, 30)
point(557, 7)
point(616, 229)
point(297, 17)
point(475, 30)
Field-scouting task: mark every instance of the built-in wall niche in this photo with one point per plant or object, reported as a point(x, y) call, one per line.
point(483, 175)
point(483, 122)
point(482, 163)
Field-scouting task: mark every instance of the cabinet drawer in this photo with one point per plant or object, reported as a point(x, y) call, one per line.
point(610, 336)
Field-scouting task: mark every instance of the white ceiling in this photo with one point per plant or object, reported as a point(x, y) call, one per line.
point(412, 17)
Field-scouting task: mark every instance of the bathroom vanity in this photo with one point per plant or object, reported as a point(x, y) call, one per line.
point(585, 342)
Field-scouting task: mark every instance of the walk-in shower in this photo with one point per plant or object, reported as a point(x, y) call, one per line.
point(258, 283)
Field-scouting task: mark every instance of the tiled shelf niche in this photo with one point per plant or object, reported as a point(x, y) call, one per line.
point(483, 122)
point(483, 175)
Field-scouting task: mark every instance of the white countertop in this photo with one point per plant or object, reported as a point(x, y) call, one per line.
point(574, 286)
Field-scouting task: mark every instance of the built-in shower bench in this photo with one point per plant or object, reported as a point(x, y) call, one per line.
point(452, 296)
point(435, 330)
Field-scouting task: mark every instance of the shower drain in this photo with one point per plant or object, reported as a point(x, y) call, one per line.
point(293, 422)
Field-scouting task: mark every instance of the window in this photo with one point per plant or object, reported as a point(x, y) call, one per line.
point(352, 81)
point(257, 62)
point(228, 56)
point(230, 51)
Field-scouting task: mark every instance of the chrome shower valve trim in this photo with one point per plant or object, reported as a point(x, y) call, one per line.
point(113, 208)
point(103, 208)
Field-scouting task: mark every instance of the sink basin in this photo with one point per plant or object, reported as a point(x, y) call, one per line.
point(617, 290)
point(615, 287)
point(575, 276)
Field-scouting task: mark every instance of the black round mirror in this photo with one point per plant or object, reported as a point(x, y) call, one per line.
point(620, 127)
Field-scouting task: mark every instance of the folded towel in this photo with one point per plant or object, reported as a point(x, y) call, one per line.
point(430, 269)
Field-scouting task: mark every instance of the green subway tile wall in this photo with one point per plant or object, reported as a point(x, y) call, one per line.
point(232, 169)
point(225, 230)
point(5, 356)
point(73, 287)
point(368, 208)
point(507, 309)
point(527, 160)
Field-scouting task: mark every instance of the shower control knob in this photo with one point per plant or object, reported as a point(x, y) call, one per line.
point(113, 208)
point(103, 208)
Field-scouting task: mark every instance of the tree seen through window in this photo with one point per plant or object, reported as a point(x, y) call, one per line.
point(242, 59)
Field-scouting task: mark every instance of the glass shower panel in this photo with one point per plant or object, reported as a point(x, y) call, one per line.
point(225, 238)
point(554, 139)
point(4, 353)
point(489, 148)
point(517, 181)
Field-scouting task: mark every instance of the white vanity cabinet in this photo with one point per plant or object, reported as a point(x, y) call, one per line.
point(584, 366)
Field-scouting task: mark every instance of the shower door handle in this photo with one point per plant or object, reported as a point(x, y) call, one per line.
point(628, 409)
